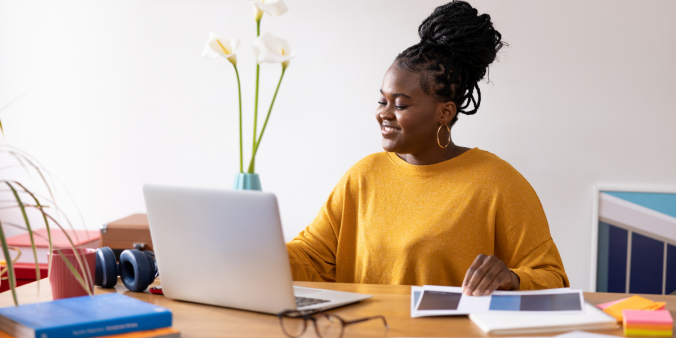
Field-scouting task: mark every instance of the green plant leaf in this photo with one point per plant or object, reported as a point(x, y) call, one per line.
point(2, 130)
point(28, 226)
point(83, 267)
point(74, 272)
point(44, 180)
point(49, 237)
point(45, 216)
point(10, 265)
point(21, 156)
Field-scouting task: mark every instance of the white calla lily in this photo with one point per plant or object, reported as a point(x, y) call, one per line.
point(270, 49)
point(219, 46)
point(272, 7)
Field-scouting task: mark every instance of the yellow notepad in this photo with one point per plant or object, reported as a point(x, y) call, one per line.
point(632, 303)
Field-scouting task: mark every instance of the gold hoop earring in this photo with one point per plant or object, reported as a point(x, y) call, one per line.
point(449, 136)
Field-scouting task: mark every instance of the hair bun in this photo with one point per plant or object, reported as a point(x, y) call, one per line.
point(467, 36)
point(456, 46)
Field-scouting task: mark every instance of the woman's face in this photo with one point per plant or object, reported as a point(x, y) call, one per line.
point(409, 118)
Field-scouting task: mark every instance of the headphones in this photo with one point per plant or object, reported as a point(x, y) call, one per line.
point(138, 269)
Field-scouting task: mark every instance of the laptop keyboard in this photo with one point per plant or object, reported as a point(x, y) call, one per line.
point(306, 301)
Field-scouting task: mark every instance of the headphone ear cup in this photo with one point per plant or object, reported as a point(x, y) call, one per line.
point(106, 268)
point(150, 256)
point(134, 270)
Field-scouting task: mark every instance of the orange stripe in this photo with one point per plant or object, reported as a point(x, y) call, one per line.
point(145, 334)
point(647, 327)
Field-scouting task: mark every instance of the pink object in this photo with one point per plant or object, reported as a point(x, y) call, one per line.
point(59, 239)
point(64, 284)
point(657, 317)
point(602, 306)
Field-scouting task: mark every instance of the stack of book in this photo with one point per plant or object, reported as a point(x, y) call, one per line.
point(107, 315)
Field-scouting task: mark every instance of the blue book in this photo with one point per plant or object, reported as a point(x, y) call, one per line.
point(81, 317)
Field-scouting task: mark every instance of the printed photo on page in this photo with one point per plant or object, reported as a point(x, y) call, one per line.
point(416, 291)
point(445, 301)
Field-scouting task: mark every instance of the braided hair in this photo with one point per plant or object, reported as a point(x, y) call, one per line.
point(456, 46)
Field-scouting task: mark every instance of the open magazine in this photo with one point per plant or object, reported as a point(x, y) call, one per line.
point(430, 300)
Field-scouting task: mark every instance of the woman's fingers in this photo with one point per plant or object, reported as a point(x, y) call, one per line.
point(466, 285)
point(502, 282)
point(485, 275)
point(484, 265)
point(476, 264)
point(493, 273)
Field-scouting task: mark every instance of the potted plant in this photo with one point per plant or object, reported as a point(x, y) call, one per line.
point(24, 199)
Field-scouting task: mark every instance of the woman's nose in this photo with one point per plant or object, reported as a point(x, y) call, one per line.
point(386, 113)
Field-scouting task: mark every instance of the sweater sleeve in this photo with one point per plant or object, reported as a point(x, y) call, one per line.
point(312, 253)
point(522, 237)
point(541, 269)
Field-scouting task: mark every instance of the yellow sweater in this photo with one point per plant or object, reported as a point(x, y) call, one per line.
point(390, 222)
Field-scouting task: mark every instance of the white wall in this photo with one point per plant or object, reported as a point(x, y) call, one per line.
point(118, 96)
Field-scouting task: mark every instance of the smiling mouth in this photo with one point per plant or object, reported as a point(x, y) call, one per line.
point(387, 130)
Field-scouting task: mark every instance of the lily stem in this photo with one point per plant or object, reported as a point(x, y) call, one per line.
point(253, 156)
point(255, 131)
point(241, 149)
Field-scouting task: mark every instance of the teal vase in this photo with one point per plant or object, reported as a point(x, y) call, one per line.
point(247, 182)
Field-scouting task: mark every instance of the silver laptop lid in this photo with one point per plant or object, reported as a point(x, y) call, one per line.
point(220, 247)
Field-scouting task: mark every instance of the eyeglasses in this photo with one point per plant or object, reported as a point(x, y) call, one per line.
point(327, 325)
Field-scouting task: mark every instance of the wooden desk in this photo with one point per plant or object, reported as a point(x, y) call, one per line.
point(392, 301)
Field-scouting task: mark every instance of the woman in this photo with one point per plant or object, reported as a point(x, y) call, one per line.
point(427, 211)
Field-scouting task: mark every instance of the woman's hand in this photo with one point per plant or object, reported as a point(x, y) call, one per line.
point(487, 274)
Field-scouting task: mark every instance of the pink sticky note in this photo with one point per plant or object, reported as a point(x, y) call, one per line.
point(657, 317)
point(605, 305)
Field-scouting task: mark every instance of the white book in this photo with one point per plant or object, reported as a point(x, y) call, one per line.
point(583, 334)
point(501, 323)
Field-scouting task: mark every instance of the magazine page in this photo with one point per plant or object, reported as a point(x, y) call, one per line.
point(416, 292)
point(449, 301)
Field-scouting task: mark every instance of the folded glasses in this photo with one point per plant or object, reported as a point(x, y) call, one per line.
point(327, 325)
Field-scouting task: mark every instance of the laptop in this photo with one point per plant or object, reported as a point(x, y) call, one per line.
point(226, 248)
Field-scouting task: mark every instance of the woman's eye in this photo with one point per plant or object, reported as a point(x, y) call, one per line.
point(401, 107)
point(382, 104)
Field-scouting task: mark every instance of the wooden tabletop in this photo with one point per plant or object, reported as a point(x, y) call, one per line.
point(392, 301)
